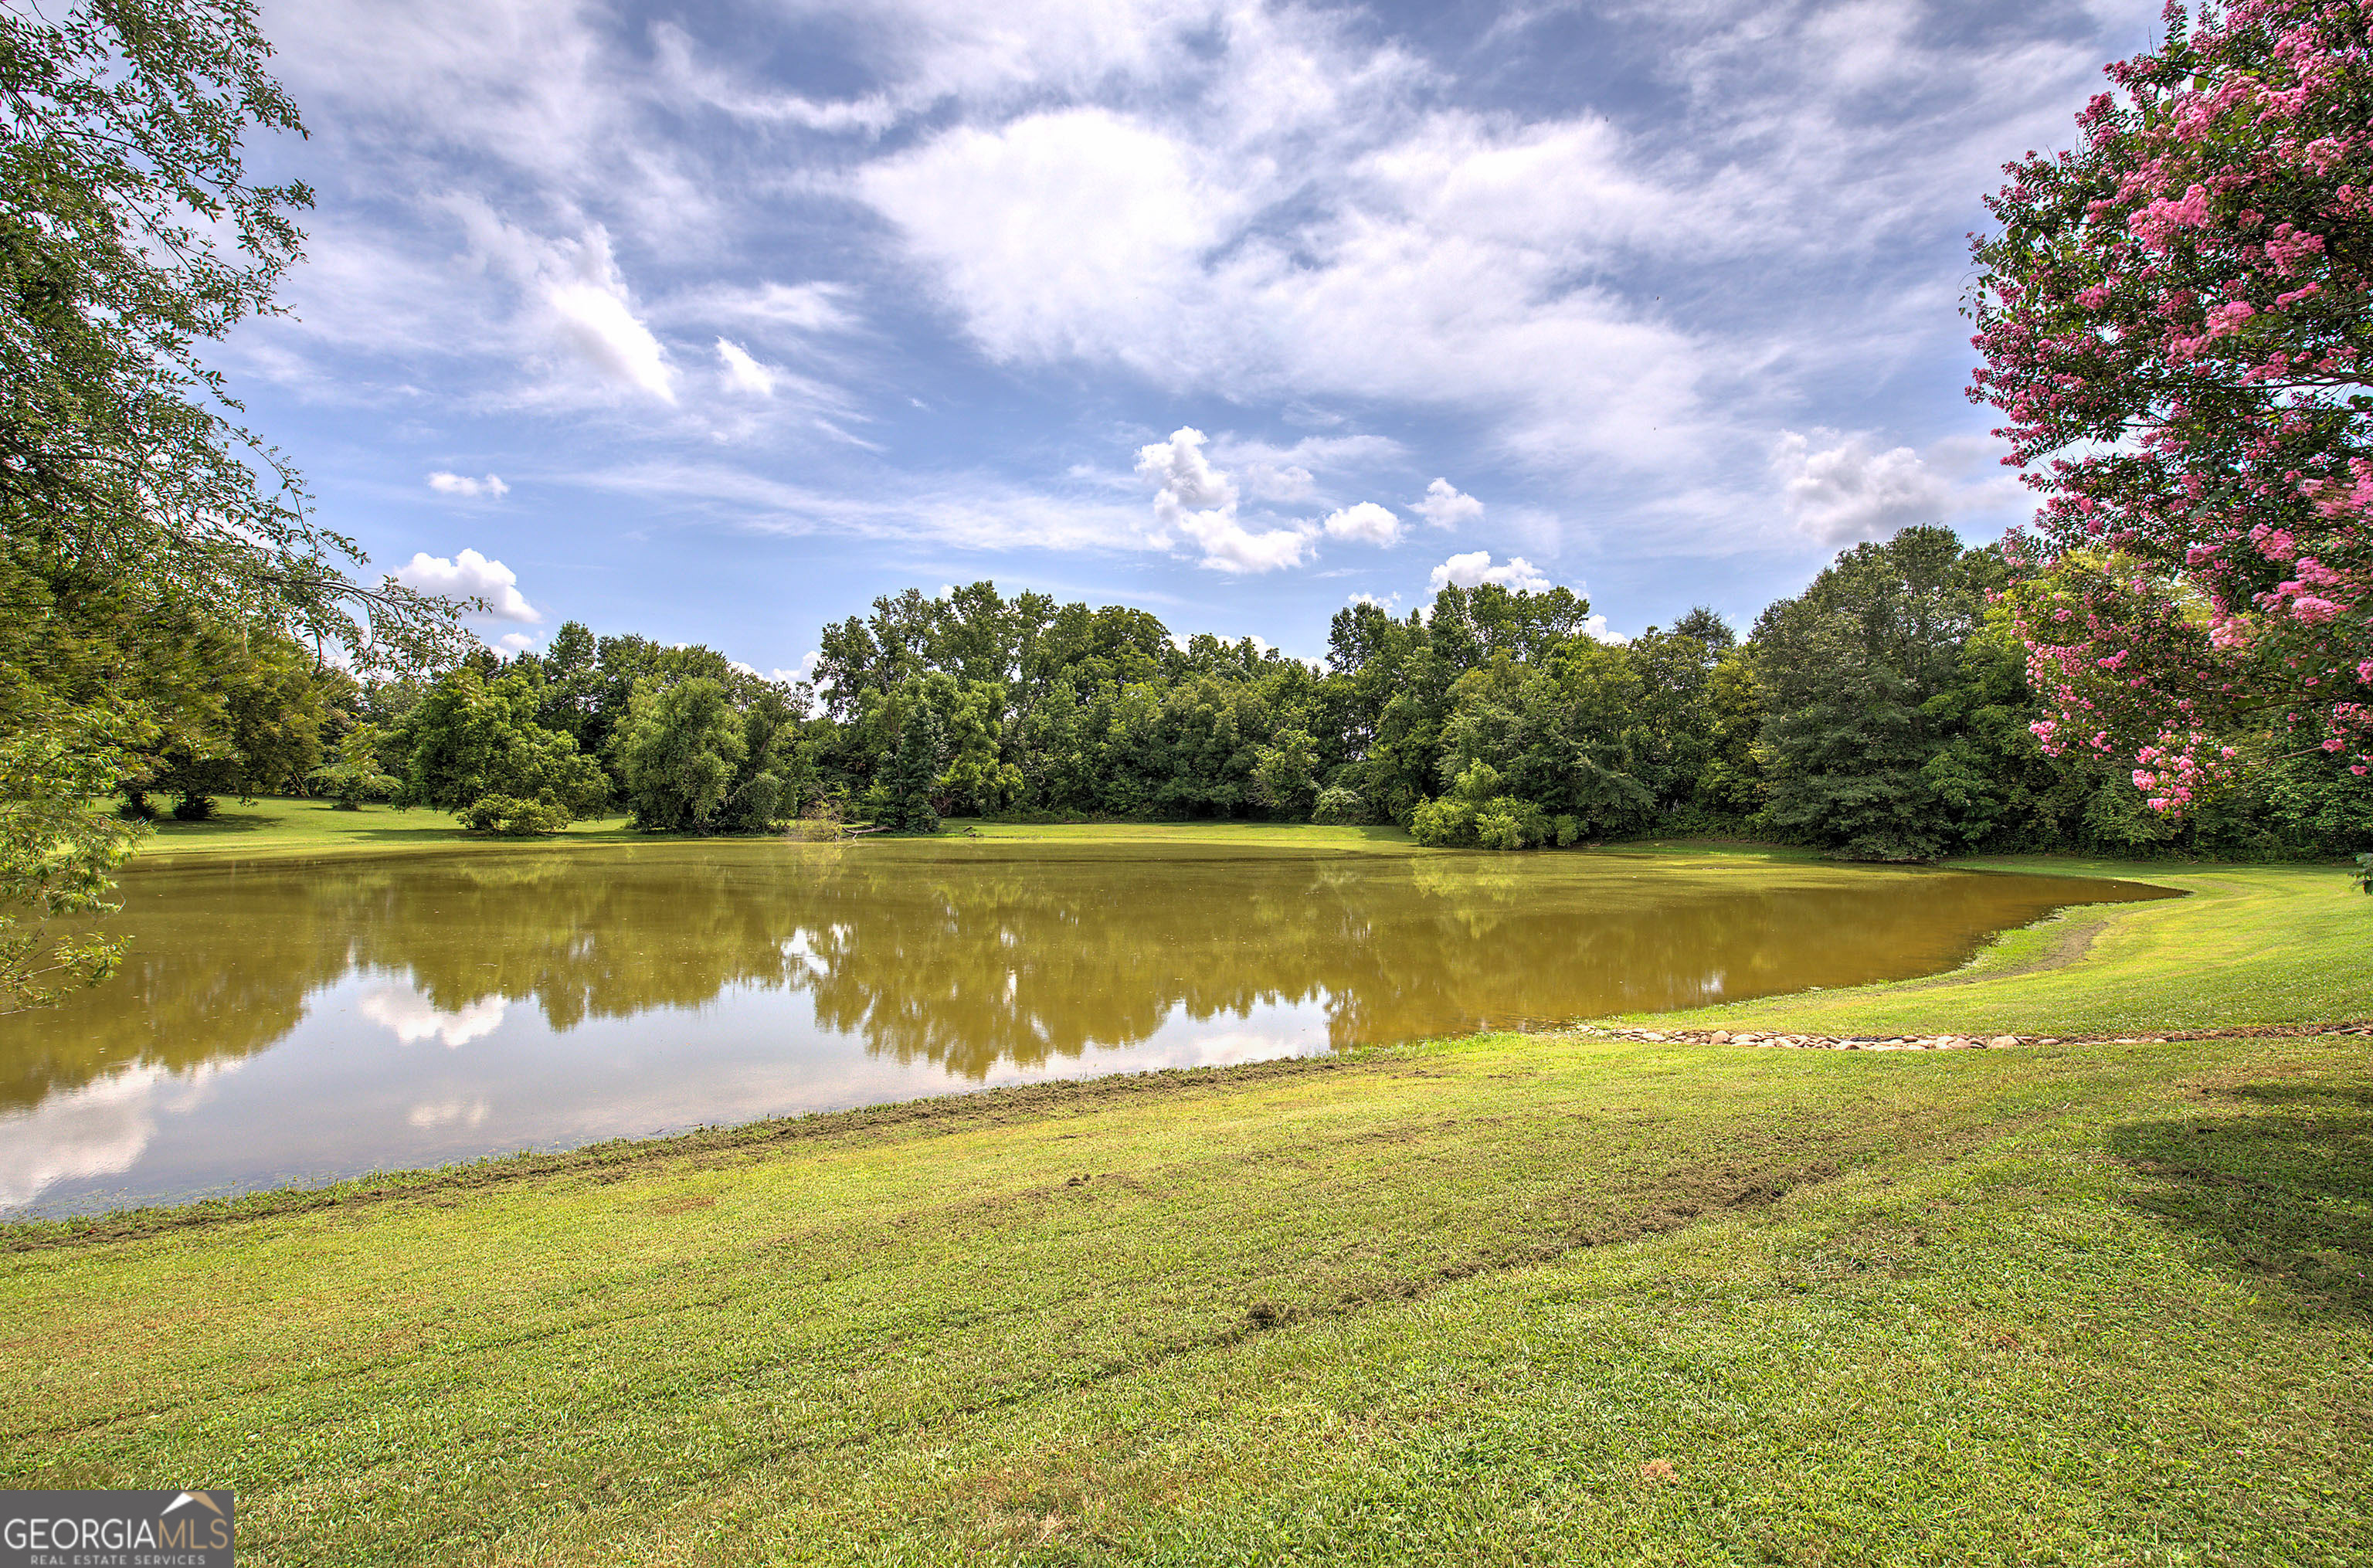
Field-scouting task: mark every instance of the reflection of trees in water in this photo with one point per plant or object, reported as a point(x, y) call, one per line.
point(967, 957)
point(164, 1009)
point(581, 937)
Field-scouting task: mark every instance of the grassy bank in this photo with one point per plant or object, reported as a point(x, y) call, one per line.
point(284, 829)
point(2249, 945)
point(1512, 1298)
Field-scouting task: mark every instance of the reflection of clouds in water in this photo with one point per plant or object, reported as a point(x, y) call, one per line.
point(414, 1017)
point(96, 1130)
point(1281, 1027)
point(1224, 1051)
point(449, 1113)
point(799, 947)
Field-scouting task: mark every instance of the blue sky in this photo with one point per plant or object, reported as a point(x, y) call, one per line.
point(714, 323)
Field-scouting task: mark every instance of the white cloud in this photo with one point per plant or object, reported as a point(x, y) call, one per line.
point(743, 373)
point(1324, 454)
point(871, 115)
point(1150, 244)
point(1386, 604)
point(1366, 523)
point(445, 484)
point(1075, 233)
point(1199, 501)
point(575, 298)
point(515, 642)
point(1474, 569)
point(1446, 506)
point(796, 306)
point(1596, 629)
point(1267, 204)
point(471, 576)
point(1272, 482)
point(1844, 491)
point(599, 321)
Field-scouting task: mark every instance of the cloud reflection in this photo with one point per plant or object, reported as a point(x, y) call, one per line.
point(98, 1130)
point(412, 1017)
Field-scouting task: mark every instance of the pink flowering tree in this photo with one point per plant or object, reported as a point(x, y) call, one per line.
point(2176, 319)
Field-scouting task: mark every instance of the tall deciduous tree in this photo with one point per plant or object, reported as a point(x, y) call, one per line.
point(469, 737)
point(130, 235)
point(682, 745)
point(2176, 317)
point(1850, 672)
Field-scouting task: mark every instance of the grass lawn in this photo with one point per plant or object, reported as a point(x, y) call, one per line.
point(284, 829)
point(1513, 1298)
point(2250, 945)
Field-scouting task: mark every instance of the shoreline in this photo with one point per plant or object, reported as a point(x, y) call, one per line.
point(1618, 1289)
point(2050, 945)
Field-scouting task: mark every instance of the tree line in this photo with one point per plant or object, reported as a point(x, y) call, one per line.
point(2173, 319)
point(1885, 713)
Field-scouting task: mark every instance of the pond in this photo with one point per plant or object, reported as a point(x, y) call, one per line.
point(288, 1021)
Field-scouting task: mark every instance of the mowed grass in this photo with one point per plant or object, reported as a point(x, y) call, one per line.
point(1510, 1299)
point(1515, 1299)
point(2250, 944)
point(285, 828)
point(279, 827)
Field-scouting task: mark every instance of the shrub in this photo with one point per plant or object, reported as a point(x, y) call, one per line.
point(508, 816)
point(1339, 807)
point(194, 808)
point(349, 785)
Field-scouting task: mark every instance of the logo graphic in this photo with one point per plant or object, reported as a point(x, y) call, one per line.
point(116, 1529)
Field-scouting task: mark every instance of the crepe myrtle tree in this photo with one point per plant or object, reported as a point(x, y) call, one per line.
point(2176, 318)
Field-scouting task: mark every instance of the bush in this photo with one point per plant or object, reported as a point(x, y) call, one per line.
point(508, 816)
point(1496, 826)
point(194, 808)
point(1500, 822)
point(348, 785)
point(1339, 807)
point(1475, 812)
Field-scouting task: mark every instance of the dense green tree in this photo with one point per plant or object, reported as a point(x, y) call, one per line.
point(1730, 783)
point(977, 781)
point(260, 735)
point(468, 737)
point(130, 235)
point(354, 774)
point(682, 751)
point(1673, 742)
point(1849, 670)
point(903, 801)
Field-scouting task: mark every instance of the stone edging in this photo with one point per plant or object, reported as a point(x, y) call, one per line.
point(1765, 1037)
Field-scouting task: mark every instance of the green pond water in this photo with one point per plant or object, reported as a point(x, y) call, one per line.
point(290, 1021)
